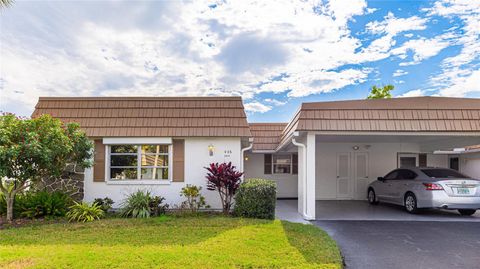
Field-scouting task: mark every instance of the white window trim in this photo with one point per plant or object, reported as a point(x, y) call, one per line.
point(291, 163)
point(111, 181)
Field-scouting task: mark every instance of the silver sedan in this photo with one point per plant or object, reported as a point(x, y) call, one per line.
point(426, 187)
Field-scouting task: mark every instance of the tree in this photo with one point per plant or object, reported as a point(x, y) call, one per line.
point(381, 93)
point(32, 149)
point(226, 180)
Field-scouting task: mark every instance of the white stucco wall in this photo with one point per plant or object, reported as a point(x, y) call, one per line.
point(196, 158)
point(286, 183)
point(470, 165)
point(382, 159)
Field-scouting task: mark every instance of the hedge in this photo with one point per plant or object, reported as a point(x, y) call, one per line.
point(256, 198)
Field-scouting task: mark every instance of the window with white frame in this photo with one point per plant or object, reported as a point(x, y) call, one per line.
point(145, 162)
point(281, 163)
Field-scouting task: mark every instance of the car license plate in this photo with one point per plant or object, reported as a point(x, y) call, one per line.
point(463, 191)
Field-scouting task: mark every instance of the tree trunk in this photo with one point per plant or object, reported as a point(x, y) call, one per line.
point(9, 201)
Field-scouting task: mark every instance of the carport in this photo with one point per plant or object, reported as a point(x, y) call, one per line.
point(344, 145)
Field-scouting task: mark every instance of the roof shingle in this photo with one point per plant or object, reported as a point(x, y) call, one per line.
point(150, 116)
point(266, 136)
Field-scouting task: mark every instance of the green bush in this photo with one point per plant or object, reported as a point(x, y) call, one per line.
point(194, 198)
point(105, 203)
point(38, 204)
point(256, 198)
point(141, 204)
point(43, 204)
point(84, 212)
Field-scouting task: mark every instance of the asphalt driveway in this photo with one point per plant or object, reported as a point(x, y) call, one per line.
point(406, 244)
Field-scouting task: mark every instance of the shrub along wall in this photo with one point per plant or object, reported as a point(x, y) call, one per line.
point(256, 198)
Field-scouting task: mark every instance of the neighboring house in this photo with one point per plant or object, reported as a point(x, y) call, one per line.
point(329, 150)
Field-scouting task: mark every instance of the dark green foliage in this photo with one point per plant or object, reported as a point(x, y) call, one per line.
point(39, 204)
point(85, 212)
point(157, 207)
point(256, 198)
point(36, 149)
point(141, 204)
point(105, 203)
point(44, 204)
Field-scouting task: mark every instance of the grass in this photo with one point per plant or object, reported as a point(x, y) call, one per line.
point(169, 242)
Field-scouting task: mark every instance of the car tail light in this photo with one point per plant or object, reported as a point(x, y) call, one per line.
point(433, 187)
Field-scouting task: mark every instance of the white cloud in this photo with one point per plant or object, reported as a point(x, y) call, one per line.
point(313, 82)
point(413, 93)
point(423, 48)
point(460, 73)
point(257, 107)
point(393, 26)
point(389, 28)
point(275, 102)
point(399, 73)
point(296, 48)
point(461, 85)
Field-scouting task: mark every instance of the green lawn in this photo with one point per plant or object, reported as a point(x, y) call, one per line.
point(169, 242)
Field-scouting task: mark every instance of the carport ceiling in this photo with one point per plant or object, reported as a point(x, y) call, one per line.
point(428, 142)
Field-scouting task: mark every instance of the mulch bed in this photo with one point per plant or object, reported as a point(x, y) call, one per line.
point(19, 222)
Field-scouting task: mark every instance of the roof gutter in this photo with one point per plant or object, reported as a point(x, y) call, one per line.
point(304, 174)
point(242, 154)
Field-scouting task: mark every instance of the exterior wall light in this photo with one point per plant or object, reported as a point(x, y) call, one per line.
point(246, 158)
point(211, 149)
point(356, 147)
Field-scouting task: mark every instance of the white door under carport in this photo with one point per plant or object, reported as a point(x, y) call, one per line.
point(352, 175)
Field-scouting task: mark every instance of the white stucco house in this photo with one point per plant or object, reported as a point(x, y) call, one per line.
point(328, 151)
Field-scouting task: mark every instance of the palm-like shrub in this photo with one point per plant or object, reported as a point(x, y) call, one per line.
point(194, 199)
point(85, 212)
point(43, 204)
point(225, 179)
point(141, 204)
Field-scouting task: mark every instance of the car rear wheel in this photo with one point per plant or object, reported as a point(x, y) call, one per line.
point(372, 198)
point(467, 212)
point(411, 203)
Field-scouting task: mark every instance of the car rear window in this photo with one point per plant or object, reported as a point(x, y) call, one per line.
point(442, 173)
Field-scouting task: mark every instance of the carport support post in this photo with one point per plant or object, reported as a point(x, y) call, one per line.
point(310, 177)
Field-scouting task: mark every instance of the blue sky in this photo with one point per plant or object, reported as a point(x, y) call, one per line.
point(275, 54)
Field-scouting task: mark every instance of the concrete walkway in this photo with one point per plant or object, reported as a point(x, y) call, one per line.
point(362, 210)
point(287, 210)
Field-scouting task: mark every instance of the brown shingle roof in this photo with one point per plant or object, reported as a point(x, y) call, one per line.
point(150, 116)
point(413, 114)
point(266, 136)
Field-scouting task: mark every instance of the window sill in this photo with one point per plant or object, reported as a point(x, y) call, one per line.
point(138, 182)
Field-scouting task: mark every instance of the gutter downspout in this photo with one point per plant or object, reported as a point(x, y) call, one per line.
point(242, 158)
point(304, 175)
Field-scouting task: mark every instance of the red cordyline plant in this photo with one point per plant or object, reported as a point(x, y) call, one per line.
point(225, 179)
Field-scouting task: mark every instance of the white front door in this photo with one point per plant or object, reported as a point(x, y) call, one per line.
point(360, 174)
point(344, 179)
